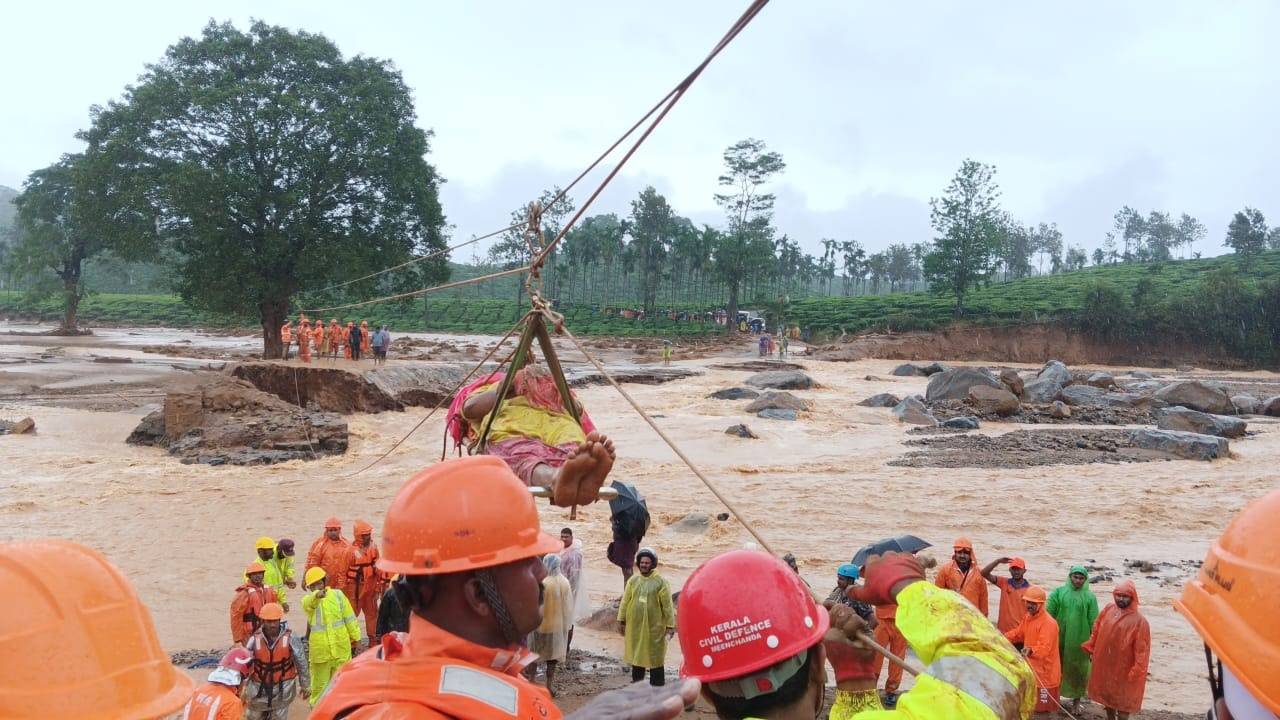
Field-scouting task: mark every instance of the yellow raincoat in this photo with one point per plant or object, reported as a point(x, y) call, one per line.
point(648, 612)
point(279, 568)
point(962, 651)
point(333, 631)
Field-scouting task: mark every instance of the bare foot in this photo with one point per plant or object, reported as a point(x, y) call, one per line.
point(589, 488)
point(564, 487)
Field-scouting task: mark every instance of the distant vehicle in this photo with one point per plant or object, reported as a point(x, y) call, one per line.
point(750, 316)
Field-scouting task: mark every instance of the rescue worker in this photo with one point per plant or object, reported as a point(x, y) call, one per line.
point(391, 614)
point(1075, 608)
point(1231, 604)
point(646, 618)
point(355, 340)
point(284, 559)
point(304, 340)
point(464, 536)
point(246, 606)
point(332, 630)
point(279, 672)
point(889, 637)
point(1037, 639)
point(1012, 606)
point(366, 342)
point(1120, 648)
point(275, 565)
point(961, 575)
point(365, 583)
point(329, 553)
point(77, 642)
point(856, 673)
point(336, 338)
point(219, 697)
point(286, 338)
point(318, 339)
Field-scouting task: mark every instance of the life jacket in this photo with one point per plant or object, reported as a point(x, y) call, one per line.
point(447, 675)
point(361, 573)
point(272, 664)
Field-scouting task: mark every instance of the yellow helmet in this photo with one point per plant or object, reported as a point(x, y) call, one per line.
point(313, 576)
point(264, 543)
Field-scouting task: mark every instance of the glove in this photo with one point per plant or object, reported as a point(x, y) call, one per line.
point(883, 573)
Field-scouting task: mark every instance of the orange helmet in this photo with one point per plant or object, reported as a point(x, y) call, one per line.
point(725, 633)
point(361, 528)
point(254, 567)
point(333, 523)
point(78, 642)
point(463, 514)
point(1231, 601)
point(271, 611)
point(1035, 594)
point(962, 543)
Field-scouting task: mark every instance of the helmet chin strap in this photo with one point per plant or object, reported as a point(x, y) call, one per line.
point(489, 588)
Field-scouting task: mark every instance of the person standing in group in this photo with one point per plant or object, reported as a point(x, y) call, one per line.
point(629, 527)
point(219, 697)
point(1075, 608)
point(465, 538)
point(571, 567)
point(961, 575)
point(275, 564)
point(1012, 606)
point(346, 340)
point(355, 340)
point(364, 583)
point(646, 618)
point(1120, 648)
point(279, 671)
point(286, 338)
point(366, 338)
point(329, 552)
point(335, 335)
point(1036, 637)
point(551, 640)
point(856, 671)
point(318, 340)
point(381, 339)
point(304, 340)
point(334, 631)
point(391, 614)
point(246, 606)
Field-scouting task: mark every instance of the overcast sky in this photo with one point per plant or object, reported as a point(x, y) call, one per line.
point(1084, 107)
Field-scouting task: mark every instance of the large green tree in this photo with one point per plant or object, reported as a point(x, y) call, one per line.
point(272, 165)
point(970, 226)
point(748, 243)
point(1247, 235)
point(652, 227)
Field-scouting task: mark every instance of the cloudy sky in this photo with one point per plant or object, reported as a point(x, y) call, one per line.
point(1084, 107)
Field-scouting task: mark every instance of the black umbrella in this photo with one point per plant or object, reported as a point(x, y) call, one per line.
point(902, 543)
point(629, 509)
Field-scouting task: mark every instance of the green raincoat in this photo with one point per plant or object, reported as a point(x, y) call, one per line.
point(1075, 611)
point(648, 612)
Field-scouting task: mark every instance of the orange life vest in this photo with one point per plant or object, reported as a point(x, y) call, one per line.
point(361, 573)
point(272, 664)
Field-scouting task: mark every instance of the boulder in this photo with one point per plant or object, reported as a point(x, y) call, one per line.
point(913, 411)
point(881, 400)
point(964, 422)
point(741, 431)
point(1271, 407)
point(1145, 386)
point(954, 384)
point(693, 523)
point(1193, 446)
point(1141, 375)
point(993, 400)
point(23, 426)
point(1197, 395)
point(1100, 380)
point(781, 380)
point(1185, 420)
point(777, 401)
point(908, 370)
point(933, 368)
point(1059, 410)
point(1245, 404)
point(1127, 399)
point(735, 393)
point(1082, 395)
point(1012, 380)
point(1186, 367)
point(1047, 384)
point(777, 414)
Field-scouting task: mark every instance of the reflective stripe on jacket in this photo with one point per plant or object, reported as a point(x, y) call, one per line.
point(333, 625)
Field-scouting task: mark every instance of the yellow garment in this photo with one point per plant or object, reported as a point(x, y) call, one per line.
point(333, 627)
point(960, 648)
point(647, 610)
point(278, 569)
point(848, 704)
point(550, 641)
point(321, 675)
point(517, 419)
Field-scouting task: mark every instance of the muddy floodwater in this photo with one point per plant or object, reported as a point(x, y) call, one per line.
point(818, 487)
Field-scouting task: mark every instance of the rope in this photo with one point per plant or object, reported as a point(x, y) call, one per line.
point(424, 291)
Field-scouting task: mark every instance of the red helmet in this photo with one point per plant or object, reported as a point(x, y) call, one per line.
point(459, 515)
point(726, 633)
point(237, 659)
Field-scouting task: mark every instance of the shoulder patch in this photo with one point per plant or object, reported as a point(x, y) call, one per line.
point(488, 689)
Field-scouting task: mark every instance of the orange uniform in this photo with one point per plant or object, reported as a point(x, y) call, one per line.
point(1121, 649)
point(889, 636)
point(1012, 607)
point(317, 336)
point(365, 338)
point(304, 341)
point(335, 336)
point(331, 556)
point(970, 584)
point(214, 701)
point(245, 608)
point(430, 674)
point(1039, 634)
point(364, 584)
